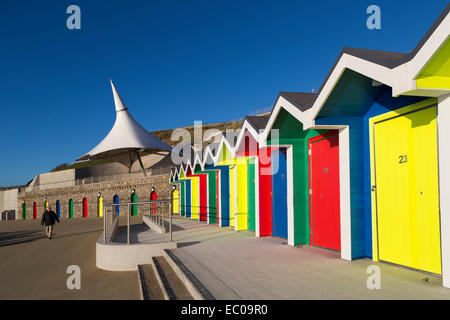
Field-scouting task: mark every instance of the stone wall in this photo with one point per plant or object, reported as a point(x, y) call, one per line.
point(143, 187)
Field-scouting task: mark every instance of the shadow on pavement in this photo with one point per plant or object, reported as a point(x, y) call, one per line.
point(13, 238)
point(187, 244)
point(19, 237)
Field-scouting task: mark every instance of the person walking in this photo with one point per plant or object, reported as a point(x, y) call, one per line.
point(49, 218)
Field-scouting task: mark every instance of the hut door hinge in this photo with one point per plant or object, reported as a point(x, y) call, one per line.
point(310, 191)
point(309, 152)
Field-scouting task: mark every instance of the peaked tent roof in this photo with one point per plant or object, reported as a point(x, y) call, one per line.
point(127, 141)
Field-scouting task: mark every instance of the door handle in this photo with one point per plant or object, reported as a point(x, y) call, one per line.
point(373, 188)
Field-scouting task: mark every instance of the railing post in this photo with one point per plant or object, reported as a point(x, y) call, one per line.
point(104, 224)
point(170, 224)
point(128, 225)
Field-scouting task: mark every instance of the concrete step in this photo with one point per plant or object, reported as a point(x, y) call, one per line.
point(211, 283)
point(171, 285)
point(148, 283)
point(191, 281)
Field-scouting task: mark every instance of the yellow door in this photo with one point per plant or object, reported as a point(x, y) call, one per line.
point(406, 189)
point(242, 210)
point(175, 202)
point(195, 198)
point(100, 206)
point(232, 195)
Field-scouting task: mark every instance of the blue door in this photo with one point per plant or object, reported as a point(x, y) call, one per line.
point(58, 209)
point(116, 200)
point(224, 195)
point(188, 199)
point(279, 193)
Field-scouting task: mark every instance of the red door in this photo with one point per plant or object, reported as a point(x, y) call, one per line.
point(324, 191)
point(203, 210)
point(85, 208)
point(153, 197)
point(217, 196)
point(265, 192)
point(34, 210)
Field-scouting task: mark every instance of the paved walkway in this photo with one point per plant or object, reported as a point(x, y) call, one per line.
point(232, 265)
point(236, 265)
point(33, 267)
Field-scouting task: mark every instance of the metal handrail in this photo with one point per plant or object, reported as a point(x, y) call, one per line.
point(129, 204)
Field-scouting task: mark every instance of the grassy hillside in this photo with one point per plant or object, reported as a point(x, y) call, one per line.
point(165, 135)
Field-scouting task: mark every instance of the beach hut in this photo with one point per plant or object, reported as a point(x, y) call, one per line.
point(247, 146)
point(225, 158)
point(222, 183)
point(289, 166)
point(389, 109)
point(195, 192)
point(182, 185)
point(188, 191)
point(212, 185)
point(195, 171)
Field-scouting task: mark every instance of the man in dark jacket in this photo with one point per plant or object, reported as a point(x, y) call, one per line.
point(49, 218)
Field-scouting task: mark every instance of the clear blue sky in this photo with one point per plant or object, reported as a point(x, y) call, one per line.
point(173, 62)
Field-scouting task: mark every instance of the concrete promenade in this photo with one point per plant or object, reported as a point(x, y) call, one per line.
point(231, 265)
point(236, 265)
point(33, 267)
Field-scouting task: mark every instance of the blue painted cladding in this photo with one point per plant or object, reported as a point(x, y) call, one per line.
point(279, 194)
point(188, 198)
point(58, 209)
point(116, 200)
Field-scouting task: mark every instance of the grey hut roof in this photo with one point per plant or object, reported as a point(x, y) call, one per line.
point(257, 122)
point(301, 100)
point(214, 147)
point(231, 137)
point(388, 59)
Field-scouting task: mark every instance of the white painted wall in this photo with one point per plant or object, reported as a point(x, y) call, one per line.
point(9, 200)
point(290, 194)
point(344, 185)
point(59, 179)
point(444, 183)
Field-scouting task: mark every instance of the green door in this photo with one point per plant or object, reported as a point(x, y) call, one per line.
point(24, 206)
point(251, 195)
point(134, 211)
point(70, 208)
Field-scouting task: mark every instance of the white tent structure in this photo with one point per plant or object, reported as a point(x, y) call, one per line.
point(127, 141)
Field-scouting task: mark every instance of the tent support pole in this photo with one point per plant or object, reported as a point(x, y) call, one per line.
point(140, 162)
point(131, 162)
